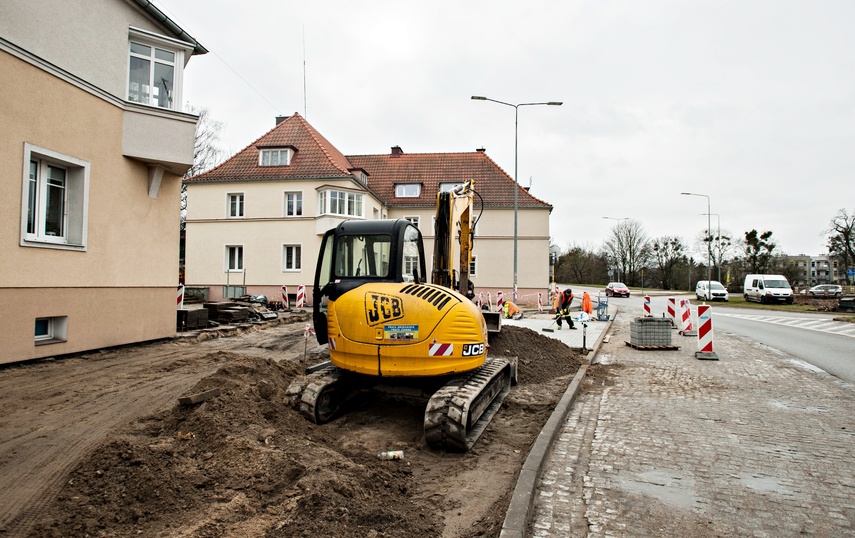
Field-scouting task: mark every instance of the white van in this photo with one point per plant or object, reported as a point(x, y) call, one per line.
point(768, 289)
point(711, 290)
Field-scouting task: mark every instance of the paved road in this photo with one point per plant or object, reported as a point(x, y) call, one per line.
point(757, 444)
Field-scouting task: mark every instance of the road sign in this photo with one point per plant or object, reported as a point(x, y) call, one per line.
point(850, 272)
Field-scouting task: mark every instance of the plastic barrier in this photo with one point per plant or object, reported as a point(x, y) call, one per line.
point(285, 304)
point(646, 306)
point(301, 296)
point(686, 308)
point(705, 334)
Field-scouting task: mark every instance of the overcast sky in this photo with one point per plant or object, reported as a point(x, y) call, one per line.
point(749, 102)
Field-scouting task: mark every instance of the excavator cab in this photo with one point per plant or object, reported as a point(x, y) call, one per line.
point(360, 252)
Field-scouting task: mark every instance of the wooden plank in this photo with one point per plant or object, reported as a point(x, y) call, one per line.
point(200, 397)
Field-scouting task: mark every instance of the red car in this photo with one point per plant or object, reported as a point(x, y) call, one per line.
point(617, 289)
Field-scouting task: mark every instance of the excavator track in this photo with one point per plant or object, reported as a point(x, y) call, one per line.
point(319, 395)
point(459, 412)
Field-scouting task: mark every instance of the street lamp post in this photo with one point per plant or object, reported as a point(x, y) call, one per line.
point(718, 240)
point(619, 219)
point(516, 160)
point(709, 242)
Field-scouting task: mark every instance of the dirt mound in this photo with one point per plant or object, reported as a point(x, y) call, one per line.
point(246, 464)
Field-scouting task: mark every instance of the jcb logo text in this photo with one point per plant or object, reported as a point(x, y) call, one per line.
point(381, 308)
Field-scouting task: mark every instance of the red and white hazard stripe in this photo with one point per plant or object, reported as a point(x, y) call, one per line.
point(686, 307)
point(285, 303)
point(332, 343)
point(440, 350)
point(181, 296)
point(500, 301)
point(647, 306)
point(705, 334)
point(540, 303)
point(301, 296)
point(672, 310)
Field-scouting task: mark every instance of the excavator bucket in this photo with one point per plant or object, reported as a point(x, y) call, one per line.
point(494, 321)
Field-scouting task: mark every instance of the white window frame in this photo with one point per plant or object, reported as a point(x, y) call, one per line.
point(238, 257)
point(408, 190)
point(235, 205)
point(448, 186)
point(297, 197)
point(414, 220)
point(297, 258)
point(75, 200)
point(473, 267)
point(345, 203)
point(179, 49)
point(57, 330)
point(280, 154)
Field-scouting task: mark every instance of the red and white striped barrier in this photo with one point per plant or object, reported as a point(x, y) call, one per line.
point(705, 334)
point(285, 304)
point(500, 301)
point(647, 306)
point(686, 308)
point(180, 296)
point(672, 311)
point(489, 301)
point(480, 300)
point(540, 303)
point(301, 296)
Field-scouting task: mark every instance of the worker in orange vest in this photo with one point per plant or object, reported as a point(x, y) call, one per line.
point(511, 310)
point(587, 307)
point(563, 310)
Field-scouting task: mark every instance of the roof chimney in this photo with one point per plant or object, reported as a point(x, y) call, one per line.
point(397, 151)
point(481, 150)
point(280, 119)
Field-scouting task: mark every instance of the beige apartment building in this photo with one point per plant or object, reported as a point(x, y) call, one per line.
point(255, 223)
point(94, 144)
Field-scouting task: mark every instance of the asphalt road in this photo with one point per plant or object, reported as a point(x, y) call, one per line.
point(814, 338)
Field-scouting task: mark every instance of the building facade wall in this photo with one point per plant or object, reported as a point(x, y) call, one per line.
point(132, 239)
point(86, 37)
point(263, 231)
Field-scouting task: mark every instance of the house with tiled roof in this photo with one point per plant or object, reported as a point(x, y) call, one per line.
point(255, 222)
point(94, 145)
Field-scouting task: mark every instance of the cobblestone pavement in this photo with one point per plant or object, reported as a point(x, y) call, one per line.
point(756, 444)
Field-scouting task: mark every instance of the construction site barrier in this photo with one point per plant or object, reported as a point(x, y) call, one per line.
point(647, 306)
point(301, 296)
point(672, 311)
point(285, 304)
point(705, 334)
point(686, 308)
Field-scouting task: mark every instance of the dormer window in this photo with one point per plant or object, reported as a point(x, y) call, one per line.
point(448, 187)
point(274, 157)
point(408, 190)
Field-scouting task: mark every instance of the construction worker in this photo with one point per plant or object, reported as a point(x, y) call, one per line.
point(587, 307)
point(512, 311)
point(563, 311)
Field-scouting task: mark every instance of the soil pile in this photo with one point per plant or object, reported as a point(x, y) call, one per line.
point(244, 463)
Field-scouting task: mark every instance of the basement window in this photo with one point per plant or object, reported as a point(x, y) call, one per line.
point(51, 330)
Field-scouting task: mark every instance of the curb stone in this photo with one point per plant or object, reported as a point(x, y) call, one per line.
point(520, 509)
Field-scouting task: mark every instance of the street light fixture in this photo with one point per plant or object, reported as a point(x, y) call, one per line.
point(709, 242)
point(619, 219)
point(718, 240)
point(516, 160)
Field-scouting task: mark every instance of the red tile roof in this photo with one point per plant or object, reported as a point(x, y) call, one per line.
point(316, 158)
point(494, 185)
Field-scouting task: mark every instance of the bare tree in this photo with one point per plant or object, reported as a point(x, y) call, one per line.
point(206, 150)
point(628, 249)
point(668, 254)
point(841, 239)
point(581, 265)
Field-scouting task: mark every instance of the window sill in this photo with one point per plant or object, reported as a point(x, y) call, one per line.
point(48, 341)
point(35, 243)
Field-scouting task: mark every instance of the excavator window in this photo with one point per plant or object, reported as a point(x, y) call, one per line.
point(363, 256)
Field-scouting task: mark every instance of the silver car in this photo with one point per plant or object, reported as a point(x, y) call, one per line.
point(826, 290)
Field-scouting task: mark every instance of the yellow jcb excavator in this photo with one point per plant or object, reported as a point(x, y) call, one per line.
point(388, 329)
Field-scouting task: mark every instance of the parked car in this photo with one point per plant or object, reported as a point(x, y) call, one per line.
point(617, 289)
point(767, 289)
point(711, 290)
point(826, 290)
